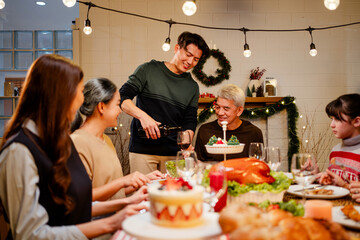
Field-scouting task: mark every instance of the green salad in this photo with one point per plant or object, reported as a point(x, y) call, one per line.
point(281, 183)
point(290, 206)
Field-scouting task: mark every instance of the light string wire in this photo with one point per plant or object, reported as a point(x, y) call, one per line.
point(171, 22)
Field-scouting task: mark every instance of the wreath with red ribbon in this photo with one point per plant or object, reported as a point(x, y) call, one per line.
point(222, 73)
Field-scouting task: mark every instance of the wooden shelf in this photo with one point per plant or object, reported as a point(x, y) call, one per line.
point(250, 102)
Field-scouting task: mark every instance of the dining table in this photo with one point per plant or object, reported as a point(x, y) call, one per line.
point(342, 201)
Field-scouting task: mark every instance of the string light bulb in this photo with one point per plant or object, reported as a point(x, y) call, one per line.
point(87, 29)
point(247, 52)
point(2, 4)
point(69, 3)
point(331, 4)
point(166, 45)
point(189, 7)
point(313, 51)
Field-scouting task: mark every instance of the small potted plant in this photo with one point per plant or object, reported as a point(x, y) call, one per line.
point(254, 84)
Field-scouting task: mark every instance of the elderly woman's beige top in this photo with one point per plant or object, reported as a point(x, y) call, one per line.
point(99, 158)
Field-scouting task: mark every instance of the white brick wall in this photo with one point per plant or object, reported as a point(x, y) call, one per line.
point(119, 43)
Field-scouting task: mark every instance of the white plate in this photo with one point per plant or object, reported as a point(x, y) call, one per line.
point(339, 217)
point(338, 192)
point(141, 227)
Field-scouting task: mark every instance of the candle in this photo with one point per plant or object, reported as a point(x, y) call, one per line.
point(319, 209)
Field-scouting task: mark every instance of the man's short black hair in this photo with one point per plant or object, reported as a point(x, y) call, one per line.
point(187, 38)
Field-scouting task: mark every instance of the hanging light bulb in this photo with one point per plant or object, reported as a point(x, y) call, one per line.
point(331, 4)
point(69, 3)
point(189, 7)
point(87, 29)
point(247, 52)
point(313, 51)
point(2, 4)
point(166, 45)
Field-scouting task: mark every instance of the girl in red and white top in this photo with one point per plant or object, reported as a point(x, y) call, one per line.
point(344, 169)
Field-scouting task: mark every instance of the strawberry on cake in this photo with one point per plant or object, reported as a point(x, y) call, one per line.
point(175, 203)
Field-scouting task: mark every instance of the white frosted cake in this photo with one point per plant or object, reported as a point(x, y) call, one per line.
point(175, 203)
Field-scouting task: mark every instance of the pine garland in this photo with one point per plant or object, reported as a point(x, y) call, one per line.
point(222, 73)
point(287, 103)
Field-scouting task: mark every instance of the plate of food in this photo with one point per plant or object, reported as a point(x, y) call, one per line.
point(348, 216)
point(318, 191)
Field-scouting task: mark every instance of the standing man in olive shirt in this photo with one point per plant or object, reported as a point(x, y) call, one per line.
point(229, 107)
point(167, 95)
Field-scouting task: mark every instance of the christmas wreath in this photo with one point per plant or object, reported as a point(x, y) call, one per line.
point(222, 73)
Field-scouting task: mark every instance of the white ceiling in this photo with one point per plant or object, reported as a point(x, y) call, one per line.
point(26, 15)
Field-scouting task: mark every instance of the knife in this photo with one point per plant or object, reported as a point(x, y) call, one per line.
point(311, 188)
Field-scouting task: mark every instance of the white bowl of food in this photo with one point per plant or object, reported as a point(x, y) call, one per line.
point(224, 148)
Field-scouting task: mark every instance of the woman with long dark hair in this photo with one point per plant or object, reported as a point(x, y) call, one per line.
point(44, 188)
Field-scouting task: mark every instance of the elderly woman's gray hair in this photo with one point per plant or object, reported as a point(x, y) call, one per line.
point(95, 91)
point(232, 92)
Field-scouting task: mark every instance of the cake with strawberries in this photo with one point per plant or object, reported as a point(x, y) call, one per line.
point(221, 146)
point(175, 203)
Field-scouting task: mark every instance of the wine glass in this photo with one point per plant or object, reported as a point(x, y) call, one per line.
point(183, 139)
point(272, 157)
point(256, 150)
point(303, 168)
point(214, 183)
point(186, 164)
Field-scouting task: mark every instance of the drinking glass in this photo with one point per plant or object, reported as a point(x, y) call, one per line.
point(171, 168)
point(186, 164)
point(256, 150)
point(183, 140)
point(215, 184)
point(272, 157)
point(303, 168)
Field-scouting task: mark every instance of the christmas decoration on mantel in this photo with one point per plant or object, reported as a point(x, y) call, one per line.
point(255, 88)
point(287, 103)
point(222, 73)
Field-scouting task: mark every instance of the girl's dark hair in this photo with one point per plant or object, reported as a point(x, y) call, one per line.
point(348, 104)
point(48, 92)
point(95, 91)
point(187, 38)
